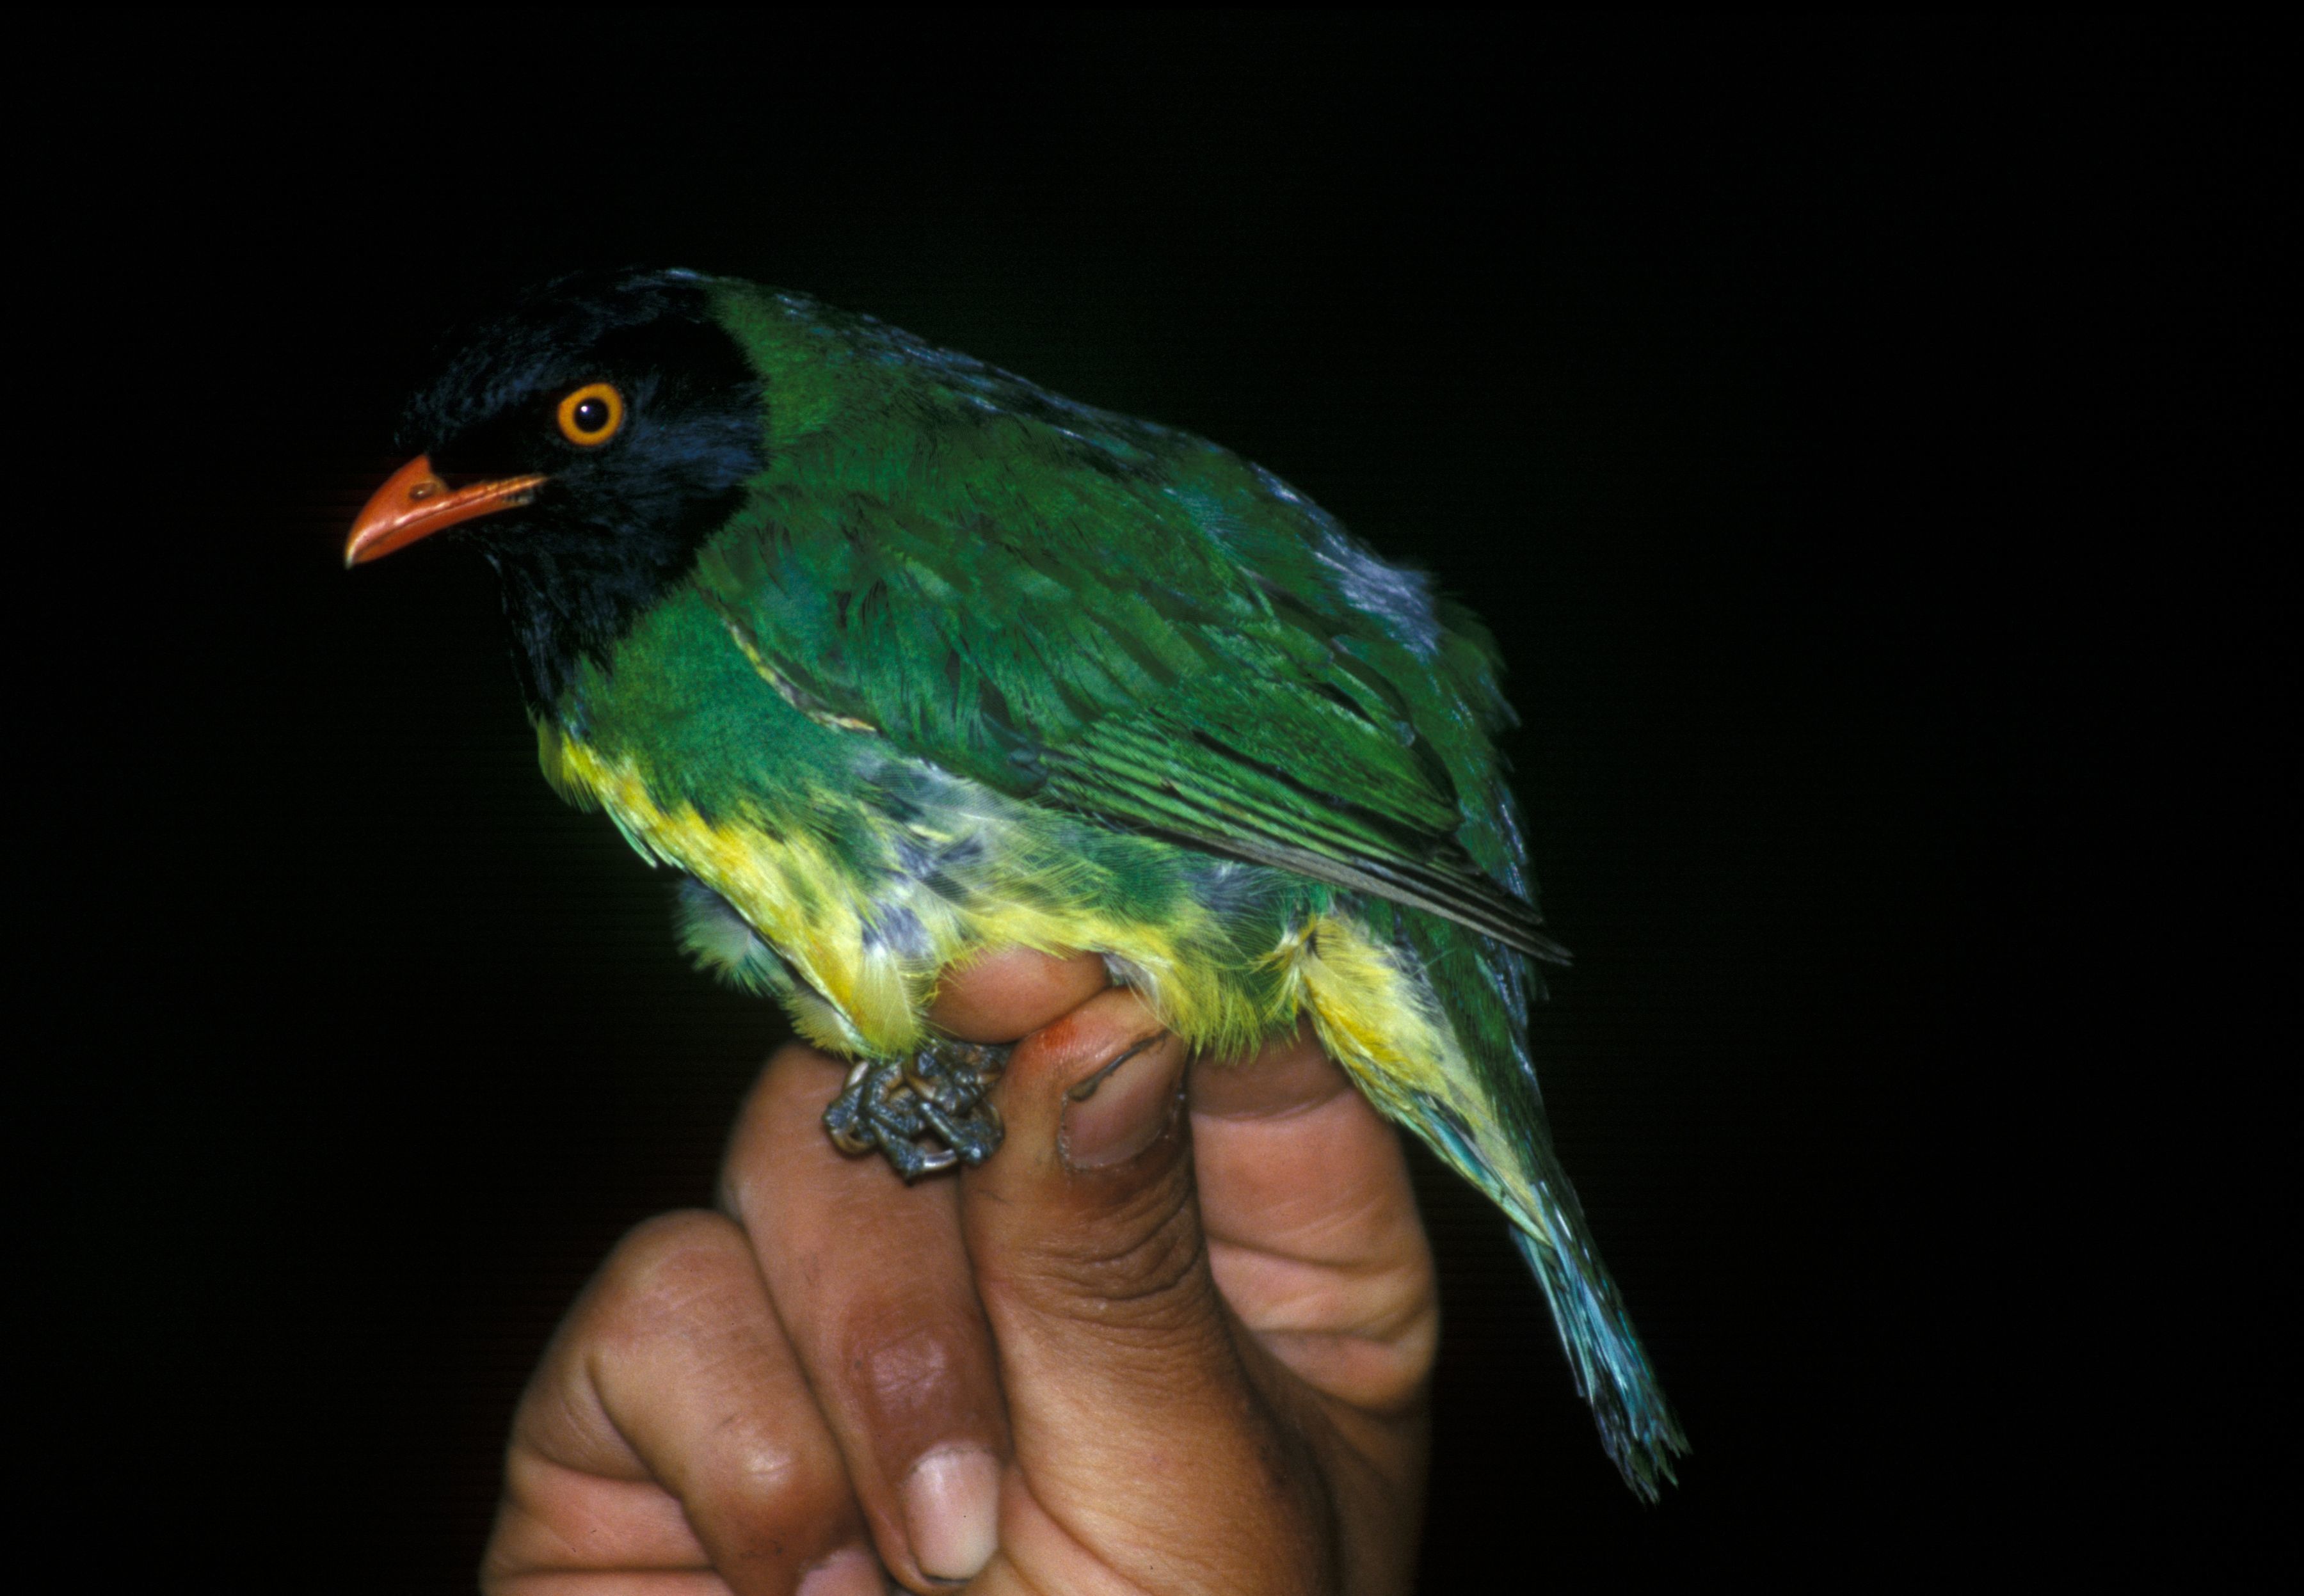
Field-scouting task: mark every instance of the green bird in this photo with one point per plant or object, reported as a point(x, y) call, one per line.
point(898, 657)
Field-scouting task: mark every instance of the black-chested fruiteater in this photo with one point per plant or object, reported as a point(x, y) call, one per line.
point(898, 657)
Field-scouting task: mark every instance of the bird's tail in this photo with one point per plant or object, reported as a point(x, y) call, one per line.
point(1520, 1172)
point(1612, 1371)
point(1399, 1019)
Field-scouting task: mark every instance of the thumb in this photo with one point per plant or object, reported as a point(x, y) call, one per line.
point(1140, 1427)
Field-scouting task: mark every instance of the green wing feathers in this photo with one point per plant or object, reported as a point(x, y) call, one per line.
point(1110, 616)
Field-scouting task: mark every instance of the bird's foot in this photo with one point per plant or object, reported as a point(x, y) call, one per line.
point(925, 1113)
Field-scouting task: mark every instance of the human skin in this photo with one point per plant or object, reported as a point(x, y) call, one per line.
point(1175, 1337)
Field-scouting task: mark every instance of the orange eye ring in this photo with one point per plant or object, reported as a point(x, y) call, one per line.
point(592, 414)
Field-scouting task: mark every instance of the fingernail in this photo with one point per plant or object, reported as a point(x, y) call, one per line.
point(851, 1572)
point(1119, 1111)
point(951, 1507)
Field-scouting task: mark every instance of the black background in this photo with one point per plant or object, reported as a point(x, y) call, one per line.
point(1837, 425)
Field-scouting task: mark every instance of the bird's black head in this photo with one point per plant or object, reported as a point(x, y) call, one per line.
point(587, 441)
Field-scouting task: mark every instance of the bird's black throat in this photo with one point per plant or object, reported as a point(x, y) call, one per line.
point(614, 528)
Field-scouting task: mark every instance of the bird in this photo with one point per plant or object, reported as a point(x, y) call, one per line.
point(897, 657)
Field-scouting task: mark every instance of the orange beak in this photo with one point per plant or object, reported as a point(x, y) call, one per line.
point(416, 503)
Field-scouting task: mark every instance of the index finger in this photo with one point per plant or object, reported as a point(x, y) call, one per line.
point(1007, 993)
point(1313, 1233)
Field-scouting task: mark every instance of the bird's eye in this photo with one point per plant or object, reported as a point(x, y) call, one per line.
point(591, 416)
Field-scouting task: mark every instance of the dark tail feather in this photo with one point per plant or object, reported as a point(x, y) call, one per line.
point(1612, 1372)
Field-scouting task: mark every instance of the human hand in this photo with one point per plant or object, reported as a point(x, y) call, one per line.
point(1141, 1350)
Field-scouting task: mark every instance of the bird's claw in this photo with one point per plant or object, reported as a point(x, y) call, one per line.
point(926, 1113)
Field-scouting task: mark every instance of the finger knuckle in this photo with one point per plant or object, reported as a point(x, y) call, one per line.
point(665, 1265)
point(901, 1366)
point(1144, 1272)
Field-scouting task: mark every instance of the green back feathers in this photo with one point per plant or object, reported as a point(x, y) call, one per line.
point(1109, 615)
